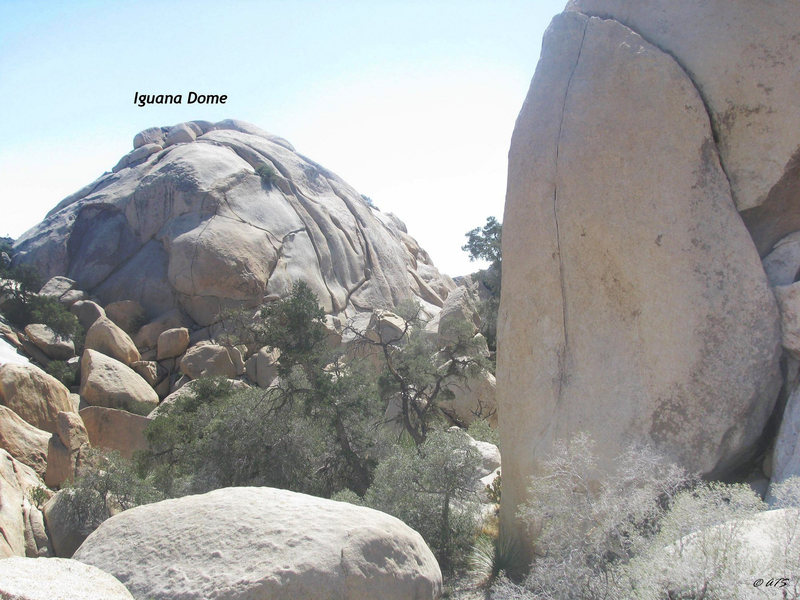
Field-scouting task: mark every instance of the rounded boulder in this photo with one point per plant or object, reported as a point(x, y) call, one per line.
point(262, 543)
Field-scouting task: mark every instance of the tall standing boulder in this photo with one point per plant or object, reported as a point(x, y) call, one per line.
point(263, 544)
point(634, 307)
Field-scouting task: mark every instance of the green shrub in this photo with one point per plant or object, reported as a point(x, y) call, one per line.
point(268, 174)
point(430, 489)
point(62, 371)
point(480, 430)
point(106, 484)
point(22, 304)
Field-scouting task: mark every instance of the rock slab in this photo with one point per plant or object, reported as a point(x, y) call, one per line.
point(262, 544)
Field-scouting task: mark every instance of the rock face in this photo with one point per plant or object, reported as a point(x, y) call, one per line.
point(49, 578)
point(16, 481)
point(786, 454)
point(114, 429)
point(194, 226)
point(262, 543)
point(635, 307)
point(740, 55)
point(23, 441)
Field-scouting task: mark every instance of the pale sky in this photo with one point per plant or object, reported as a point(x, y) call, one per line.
point(412, 103)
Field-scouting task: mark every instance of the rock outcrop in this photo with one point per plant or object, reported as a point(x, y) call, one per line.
point(635, 306)
point(223, 220)
point(262, 543)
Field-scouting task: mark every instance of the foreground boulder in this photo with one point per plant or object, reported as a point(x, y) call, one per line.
point(263, 544)
point(57, 578)
point(635, 307)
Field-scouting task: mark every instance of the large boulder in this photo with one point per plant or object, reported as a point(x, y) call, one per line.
point(472, 398)
point(740, 55)
point(110, 383)
point(207, 360)
point(87, 312)
point(57, 578)
point(106, 337)
point(23, 441)
point(195, 226)
point(634, 306)
point(262, 544)
point(33, 394)
point(172, 343)
point(113, 429)
point(49, 342)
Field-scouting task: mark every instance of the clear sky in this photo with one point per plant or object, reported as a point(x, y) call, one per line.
point(412, 103)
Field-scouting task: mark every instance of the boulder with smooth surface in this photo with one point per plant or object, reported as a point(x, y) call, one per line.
point(172, 343)
point(207, 360)
point(113, 429)
point(110, 383)
point(106, 337)
point(87, 312)
point(49, 342)
point(263, 544)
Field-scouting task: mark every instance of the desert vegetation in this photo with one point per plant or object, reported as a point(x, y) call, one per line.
point(320, 429)
point(650, 530)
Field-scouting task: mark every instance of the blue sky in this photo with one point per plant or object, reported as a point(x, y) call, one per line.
point(413, 103)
